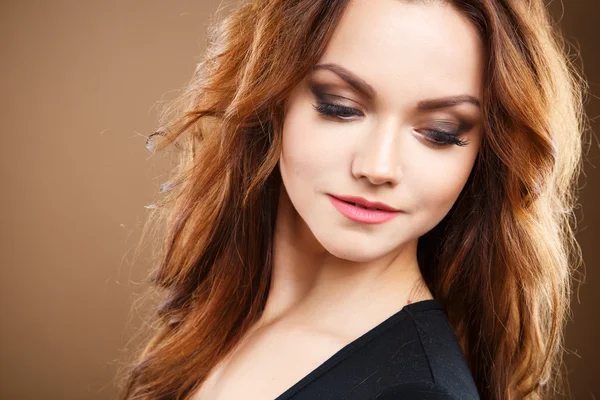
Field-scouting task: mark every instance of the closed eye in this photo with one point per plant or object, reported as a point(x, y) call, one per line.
point(436, 137)
point(336, 110)
point(440, 138)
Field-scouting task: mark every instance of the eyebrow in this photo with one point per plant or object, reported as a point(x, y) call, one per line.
point(361, 86)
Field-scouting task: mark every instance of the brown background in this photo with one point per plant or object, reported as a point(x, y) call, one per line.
point(80, 82)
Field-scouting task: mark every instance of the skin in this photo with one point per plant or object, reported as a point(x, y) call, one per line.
point(334, 279)
point(327, 268)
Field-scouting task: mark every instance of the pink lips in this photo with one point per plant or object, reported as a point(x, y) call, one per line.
point(359, 214)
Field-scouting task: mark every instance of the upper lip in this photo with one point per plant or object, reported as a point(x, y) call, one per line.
point(366, 203)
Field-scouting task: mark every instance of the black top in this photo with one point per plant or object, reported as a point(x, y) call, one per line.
point(414, 354)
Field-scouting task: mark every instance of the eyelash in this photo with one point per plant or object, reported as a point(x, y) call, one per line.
point(438, 138)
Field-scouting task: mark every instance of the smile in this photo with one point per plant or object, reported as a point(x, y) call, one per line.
point(359, 213)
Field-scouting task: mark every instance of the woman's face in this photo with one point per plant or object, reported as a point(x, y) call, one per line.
point(394, 79)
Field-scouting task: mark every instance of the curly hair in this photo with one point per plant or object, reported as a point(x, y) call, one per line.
point(501, 261)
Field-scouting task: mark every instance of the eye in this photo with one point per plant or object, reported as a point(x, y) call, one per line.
point(441, 138)
point(336, 110)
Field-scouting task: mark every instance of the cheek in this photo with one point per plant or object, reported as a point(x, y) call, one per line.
point(301, 159)
point(441, 183)
point(311, 150)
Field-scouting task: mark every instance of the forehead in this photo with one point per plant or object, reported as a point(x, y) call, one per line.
point(408, 50)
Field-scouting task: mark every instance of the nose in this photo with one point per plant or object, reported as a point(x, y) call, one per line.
point(378, 158)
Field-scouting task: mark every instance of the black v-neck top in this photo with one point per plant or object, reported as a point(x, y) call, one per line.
point(414, 354)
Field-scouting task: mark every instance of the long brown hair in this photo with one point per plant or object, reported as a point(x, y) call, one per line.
point(501, 261)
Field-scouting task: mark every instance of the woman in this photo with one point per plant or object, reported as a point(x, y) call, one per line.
point(373, 201)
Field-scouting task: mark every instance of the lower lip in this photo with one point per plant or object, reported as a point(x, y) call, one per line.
point(363, 215)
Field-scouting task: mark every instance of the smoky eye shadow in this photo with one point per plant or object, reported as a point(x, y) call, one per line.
point(318, 90)
point(321, 93)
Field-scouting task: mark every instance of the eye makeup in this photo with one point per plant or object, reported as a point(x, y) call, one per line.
point(332, 105)
point(446, 133)
point(442, 138)
point(441, 133)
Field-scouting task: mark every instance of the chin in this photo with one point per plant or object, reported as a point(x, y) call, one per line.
point(356, 252)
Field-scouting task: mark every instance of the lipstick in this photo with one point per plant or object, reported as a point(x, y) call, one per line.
point(360, 213)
